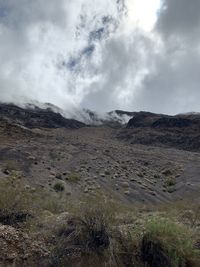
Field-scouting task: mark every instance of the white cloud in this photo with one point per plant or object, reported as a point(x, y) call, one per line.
point(100, 54)
point(37, 39)
point(142, 13)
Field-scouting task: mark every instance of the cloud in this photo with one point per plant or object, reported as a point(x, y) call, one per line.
point(180, 17)
point(101, 54)
point(40, 39)
point(172, 85)
point(121, 69)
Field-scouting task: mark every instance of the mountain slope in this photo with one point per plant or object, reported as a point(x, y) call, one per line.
point(35, 117)
point(180, 131)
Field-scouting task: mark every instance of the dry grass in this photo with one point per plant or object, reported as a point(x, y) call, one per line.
point(73, 177)
point(99, 232)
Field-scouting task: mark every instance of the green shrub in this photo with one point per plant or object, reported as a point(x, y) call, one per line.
point(59, 187)
point(166, 243)
point(15, 201)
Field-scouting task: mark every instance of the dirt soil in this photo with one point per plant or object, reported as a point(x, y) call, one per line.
point(94, 161)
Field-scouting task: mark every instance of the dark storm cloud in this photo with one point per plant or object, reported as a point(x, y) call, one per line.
point(172, 88)
point(179, 17)
point(172, 85)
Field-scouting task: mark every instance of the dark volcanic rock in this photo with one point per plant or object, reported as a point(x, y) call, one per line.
point(142, 119)
point(180, 131)
point(37, 117)
point(172, 122)
point(147, 119)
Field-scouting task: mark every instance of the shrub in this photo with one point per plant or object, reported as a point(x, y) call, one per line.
point(94, 235)
point(170, 181)
point(14, 218)
point(83, 240)
point(59, 187)
point(125, 249)
point(15, 202)
point(166, 243)
point(73, 177)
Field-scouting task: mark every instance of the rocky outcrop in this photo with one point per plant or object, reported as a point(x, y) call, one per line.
point(142, 119)
point(19, 249)
point(36, 117)
point(147, 119)
point(180, 131)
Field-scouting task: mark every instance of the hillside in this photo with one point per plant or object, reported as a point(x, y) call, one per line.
point(35, 117)
point(133, 163)
point(151, 163)
point(180, 131)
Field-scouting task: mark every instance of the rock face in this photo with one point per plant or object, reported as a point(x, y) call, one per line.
point(37, 117)
point(142, 119)
point(147, 119)
point(180, 131)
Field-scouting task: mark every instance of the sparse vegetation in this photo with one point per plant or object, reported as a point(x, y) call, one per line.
point(13, 194)
point(10, 166)
point(59, 187)
point(170, 181)
point(98, 232)
point(83, 239)
point(73, 177)
point(166, 243)
point(88, 198)
point(167, 172)
point(90, 239)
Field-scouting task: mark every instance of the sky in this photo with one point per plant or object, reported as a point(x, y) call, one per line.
point(101, 55)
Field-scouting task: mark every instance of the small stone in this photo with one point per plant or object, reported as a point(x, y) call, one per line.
point(125, 184)
point(27, 187)
point(59, 176)
point(140, 174)
point(6, 172)
point(86, 190)
point(117, 187)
